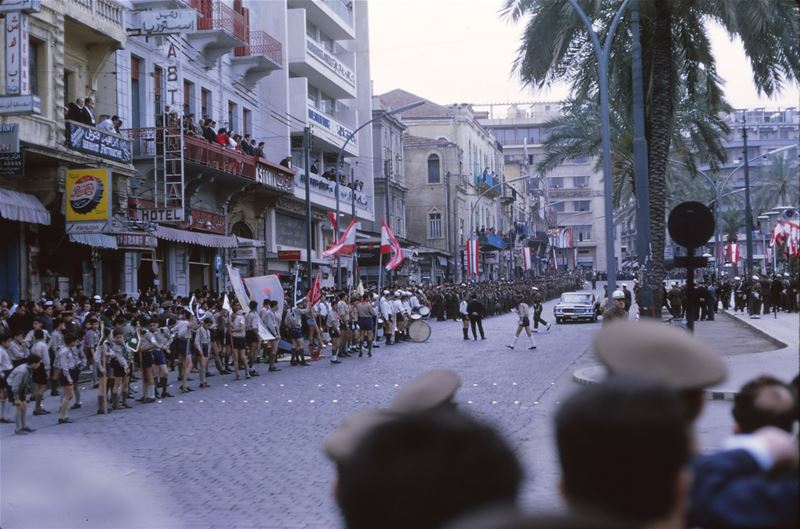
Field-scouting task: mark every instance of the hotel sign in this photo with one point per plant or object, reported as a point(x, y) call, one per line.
point(160, 214)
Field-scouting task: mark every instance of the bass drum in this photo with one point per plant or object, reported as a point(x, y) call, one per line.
point(419, 331)
point(416, 316)
point(424, 312)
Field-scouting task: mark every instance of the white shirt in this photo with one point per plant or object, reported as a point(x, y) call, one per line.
point(462, 307)
point(106, 125)
point(414, 302)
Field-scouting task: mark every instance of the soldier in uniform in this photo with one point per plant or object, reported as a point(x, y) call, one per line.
point(617, 310)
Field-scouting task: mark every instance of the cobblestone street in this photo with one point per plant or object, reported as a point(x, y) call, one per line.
point(247, 454)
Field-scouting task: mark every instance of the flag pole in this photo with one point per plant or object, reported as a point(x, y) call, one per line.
point(380, 270)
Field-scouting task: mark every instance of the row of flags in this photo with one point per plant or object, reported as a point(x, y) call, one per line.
point(346, 245)
point(786, 237)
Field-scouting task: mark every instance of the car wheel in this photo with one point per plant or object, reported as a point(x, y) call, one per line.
point(558, 321)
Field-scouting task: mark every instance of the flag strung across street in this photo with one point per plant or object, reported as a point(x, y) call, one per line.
point(346, 245)
point(472, 256)
point(786, 238)
point(389, 244)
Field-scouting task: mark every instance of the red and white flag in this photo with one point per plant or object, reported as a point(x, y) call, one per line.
point(527, 262)
point(315, 294)
point(332, 217)
point(346, 245)
point(732, 253)
point(389, 244)
point(472, 257)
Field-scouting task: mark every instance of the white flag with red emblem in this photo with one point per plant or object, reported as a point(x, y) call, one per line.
point(389, 244)
point(472, 257)
point(346, 245)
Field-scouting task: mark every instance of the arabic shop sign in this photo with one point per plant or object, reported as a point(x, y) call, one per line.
point(330, 125)
point(164, 22)
point(14, 105)
point(337, 66)
point(271, 177)
point(94, 141)
point(17, 52)
point(26, 6)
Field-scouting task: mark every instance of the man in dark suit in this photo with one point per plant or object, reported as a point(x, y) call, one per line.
point(88, 112)
point(475, 309)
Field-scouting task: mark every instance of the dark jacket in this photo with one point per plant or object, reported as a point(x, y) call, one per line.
point(475, 306)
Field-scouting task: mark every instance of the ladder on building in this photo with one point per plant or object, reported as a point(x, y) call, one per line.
point(169, 188)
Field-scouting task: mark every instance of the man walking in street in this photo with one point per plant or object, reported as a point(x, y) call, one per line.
point(475, 309)
point(523, 324)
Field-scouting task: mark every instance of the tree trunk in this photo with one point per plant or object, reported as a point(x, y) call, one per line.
point(658, 129)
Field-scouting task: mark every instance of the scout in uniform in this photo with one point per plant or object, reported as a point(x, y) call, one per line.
point(17, 384)
point(523, 312)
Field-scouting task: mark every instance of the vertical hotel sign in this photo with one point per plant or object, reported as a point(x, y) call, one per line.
point(88, 200)
point(17, 54)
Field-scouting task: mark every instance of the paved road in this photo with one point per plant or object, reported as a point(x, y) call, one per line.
point(246, 454)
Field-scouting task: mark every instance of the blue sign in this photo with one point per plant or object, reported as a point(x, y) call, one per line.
point(218, 263)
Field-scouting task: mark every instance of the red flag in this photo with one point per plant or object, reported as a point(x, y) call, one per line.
point(315, 293)
point(346, 245)
point(389, 241)
point(332, 217)
point(472, 257)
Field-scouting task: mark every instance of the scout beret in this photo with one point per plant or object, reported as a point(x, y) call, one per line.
point(428, 390)
point(657, 351)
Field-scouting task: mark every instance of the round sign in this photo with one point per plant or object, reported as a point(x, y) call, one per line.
point(218, 262)
point(691, 224)
point(86, 194)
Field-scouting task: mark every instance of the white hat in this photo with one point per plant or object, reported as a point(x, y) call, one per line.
point(97, 297)
point(786, 274)
point(737, 278)
point(48, 303)
point(625, 285)
point(618, 294)
point(385, 292)
point(398, 292)
point(755, 277)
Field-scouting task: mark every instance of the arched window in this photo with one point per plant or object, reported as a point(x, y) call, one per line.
point(241, 229)
point(433, 169)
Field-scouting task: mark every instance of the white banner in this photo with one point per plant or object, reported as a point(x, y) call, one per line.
point(265, 287)
point(241, 296)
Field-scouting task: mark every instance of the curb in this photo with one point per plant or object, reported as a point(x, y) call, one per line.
point(593, 375)
point(755, 329)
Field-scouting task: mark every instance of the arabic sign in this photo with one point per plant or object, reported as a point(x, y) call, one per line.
point(206, 221)
point(26, 6)
point(270, 177)
point(334, 64)
point(94, 141)
point(9, 138)
point(12, 164)
point(135, 241)
point(16, 38)
point(76, 228)
point(243, 254)
point(88, 194)
point(28, 104)
point(165, 22)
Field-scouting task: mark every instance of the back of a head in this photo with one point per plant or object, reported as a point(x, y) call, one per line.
point(764, 401)
point(622, 446)
point(421, 470)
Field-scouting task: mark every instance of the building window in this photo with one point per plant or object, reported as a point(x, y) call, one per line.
point(34, 51)
point(136, 92)
point(433, 169)
point(158, 90)
point(205, 103)
point(556, 183)
point(580, 181)
point(247, 121)
point(581, 205)
point(434, 225)
point(583, 232)
point(558, 206)
point(233, 116)
point(188, 97)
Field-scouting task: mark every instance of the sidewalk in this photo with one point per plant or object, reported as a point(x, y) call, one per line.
point(778, 338)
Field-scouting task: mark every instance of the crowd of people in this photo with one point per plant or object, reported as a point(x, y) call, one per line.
point(47, 347)
point(627, 449)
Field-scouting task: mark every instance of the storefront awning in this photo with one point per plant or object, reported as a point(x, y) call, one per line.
point(244, 242)
point(192, 237)
point(22, 207)
point(95, 240)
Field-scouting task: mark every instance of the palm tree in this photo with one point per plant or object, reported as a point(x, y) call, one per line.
point(678, 66)
point(776, 184)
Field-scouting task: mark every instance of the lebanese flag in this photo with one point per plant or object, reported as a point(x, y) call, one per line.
point(526, 258)
point(346, 245)
point(389, 244)
point(472, 257)
point(732, 252)
point(332, 217)
point(315, 294)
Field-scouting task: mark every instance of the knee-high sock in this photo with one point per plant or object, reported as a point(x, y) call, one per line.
point(64, 410)
point(38, 399)
point(3, 409)
point(514, 341)
point(18, 419)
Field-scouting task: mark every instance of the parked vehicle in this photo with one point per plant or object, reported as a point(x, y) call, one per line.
point(575, 306)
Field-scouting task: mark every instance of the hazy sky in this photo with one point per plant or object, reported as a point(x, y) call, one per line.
point(461, 51)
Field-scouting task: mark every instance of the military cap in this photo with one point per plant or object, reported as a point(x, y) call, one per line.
point(426, 391)
point(654, 350)
point(342, 442)
point(618, 294)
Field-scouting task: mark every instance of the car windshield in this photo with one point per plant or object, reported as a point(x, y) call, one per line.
point(576, 298)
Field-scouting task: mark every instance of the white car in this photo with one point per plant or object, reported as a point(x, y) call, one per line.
point(575, 306)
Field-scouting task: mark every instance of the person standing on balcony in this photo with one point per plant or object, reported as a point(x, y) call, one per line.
point(315, 166)
point(88, 111)
point(75, 110)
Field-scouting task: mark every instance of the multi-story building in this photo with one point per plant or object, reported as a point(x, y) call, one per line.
point(453, 170)
point(567, 201)
point(180, 205)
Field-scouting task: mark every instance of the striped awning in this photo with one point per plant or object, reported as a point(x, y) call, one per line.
point(208, 240)
point(22, 207)
point(95, 240)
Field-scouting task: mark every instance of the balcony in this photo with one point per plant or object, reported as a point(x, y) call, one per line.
point(333, 17)
point(160, 4)
point(90, 140)
point(200, 152)
point(104, 20)
point(323, 69)
point(488, 183)
point(327, 188)
point(220, 29)
point(329, 132)
point(490, 242)
point(258, 58)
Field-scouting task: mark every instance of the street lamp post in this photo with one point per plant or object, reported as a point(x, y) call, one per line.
point(339, 157)
point(603, 51)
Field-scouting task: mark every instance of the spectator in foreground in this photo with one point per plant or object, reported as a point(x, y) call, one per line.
point(764, 401)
